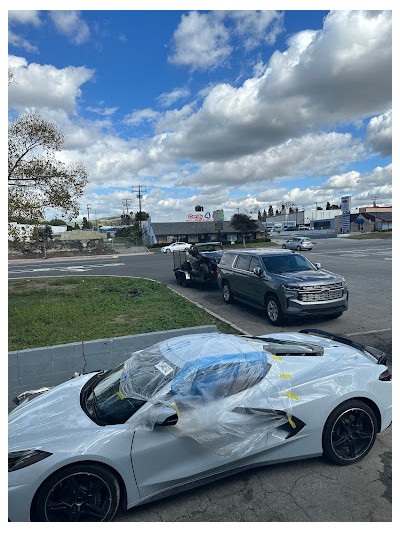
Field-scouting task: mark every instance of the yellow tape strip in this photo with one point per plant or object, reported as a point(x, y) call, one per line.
point(175, 408)
point(285, 376)
point(277, 357)
point(292, 396)
point(290, 420)
point(120, 395)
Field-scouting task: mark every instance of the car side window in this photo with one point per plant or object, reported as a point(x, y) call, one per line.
point(242, 262)
point(254, 262)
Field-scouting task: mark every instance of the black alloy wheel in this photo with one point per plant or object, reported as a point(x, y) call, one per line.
point(78, 493)
point(349, 432)
point(226, 292)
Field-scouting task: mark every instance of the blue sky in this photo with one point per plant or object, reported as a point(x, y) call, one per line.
point(226, 109)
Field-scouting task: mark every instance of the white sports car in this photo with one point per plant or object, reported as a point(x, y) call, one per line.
point(187, 411)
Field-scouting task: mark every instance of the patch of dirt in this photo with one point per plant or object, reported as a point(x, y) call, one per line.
point(15, 285)
point(123, 319)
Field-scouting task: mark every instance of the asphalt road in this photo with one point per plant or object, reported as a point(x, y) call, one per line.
point(310, 490)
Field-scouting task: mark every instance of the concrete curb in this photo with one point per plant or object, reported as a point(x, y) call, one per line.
point(51, 365)
point(212, 313)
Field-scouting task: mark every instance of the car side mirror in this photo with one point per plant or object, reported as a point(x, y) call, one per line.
point(169, 421)
point(257, 271)
point(318, 265)
point(166, 416)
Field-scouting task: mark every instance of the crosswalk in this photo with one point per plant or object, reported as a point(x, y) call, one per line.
point(384, 254)
point(71, 269)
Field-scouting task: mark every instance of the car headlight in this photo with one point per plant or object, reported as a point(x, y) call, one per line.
point(289, 289)
point(18, 460)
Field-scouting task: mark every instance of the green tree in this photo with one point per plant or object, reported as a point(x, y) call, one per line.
point(141, 215)
point(36, 179)
point(270, 211)
point(43, 235)
point(328, 206)
point(86, 224)
point(57, 222)
point(126, 220)
point(244, 224)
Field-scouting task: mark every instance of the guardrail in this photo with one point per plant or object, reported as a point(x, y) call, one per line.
point(52, 365)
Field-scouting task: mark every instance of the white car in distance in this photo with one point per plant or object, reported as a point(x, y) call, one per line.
point(175, 246)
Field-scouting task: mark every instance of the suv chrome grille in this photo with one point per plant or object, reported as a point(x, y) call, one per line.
point(318, 293)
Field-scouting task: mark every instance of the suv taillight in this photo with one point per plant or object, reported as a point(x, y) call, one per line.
point(385, 376)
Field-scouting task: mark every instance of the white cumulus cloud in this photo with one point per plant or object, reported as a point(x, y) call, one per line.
point(379, 133)
point(71, 24)
point(45, 86)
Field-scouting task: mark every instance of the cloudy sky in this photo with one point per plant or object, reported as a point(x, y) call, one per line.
point(226, 109)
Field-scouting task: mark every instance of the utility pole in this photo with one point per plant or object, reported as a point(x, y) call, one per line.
point(88, 207)
point(374, 199)
point(126, 204)
point(139, 190)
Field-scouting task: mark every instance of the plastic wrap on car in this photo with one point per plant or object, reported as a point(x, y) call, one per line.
point(209, 381)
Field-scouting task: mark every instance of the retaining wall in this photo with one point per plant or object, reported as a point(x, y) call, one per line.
point(52, 365)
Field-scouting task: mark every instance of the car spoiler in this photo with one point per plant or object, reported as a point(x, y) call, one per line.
point(378, 355)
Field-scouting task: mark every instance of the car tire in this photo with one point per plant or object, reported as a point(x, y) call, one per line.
point(349, 432)
point(168, 251)
point(78, 493)
point(298, 248)
point(274, 311)
point(226, 292)
point(284, 246)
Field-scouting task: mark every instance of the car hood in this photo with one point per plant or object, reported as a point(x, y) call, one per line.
point(308, 277)
point(54, 414)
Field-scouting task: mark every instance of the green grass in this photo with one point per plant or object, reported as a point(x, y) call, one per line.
point(374, 235)
point(48, 311)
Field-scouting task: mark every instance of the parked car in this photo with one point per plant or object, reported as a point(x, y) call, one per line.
point(197, 263)
point(298, 243)
point(175, 246)
point(281, 282)
point(190, 410)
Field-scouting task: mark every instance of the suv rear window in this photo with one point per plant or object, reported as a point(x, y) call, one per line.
point(243, 262)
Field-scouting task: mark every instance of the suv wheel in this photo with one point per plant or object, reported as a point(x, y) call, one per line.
point(349, 432)
point(226, 292)
point(274, 310)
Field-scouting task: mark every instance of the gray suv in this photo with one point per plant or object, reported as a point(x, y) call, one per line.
point(281, 282)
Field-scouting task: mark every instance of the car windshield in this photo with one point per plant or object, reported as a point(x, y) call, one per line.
point(104, 403)
point(286, 263)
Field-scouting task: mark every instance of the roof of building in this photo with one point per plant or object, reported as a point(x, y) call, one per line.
point(384, 216)
point(196, 228)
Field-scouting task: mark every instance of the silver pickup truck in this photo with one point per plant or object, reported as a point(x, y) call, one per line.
point(281, 282)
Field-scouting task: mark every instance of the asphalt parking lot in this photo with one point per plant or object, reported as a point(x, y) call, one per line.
point(309, 490)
